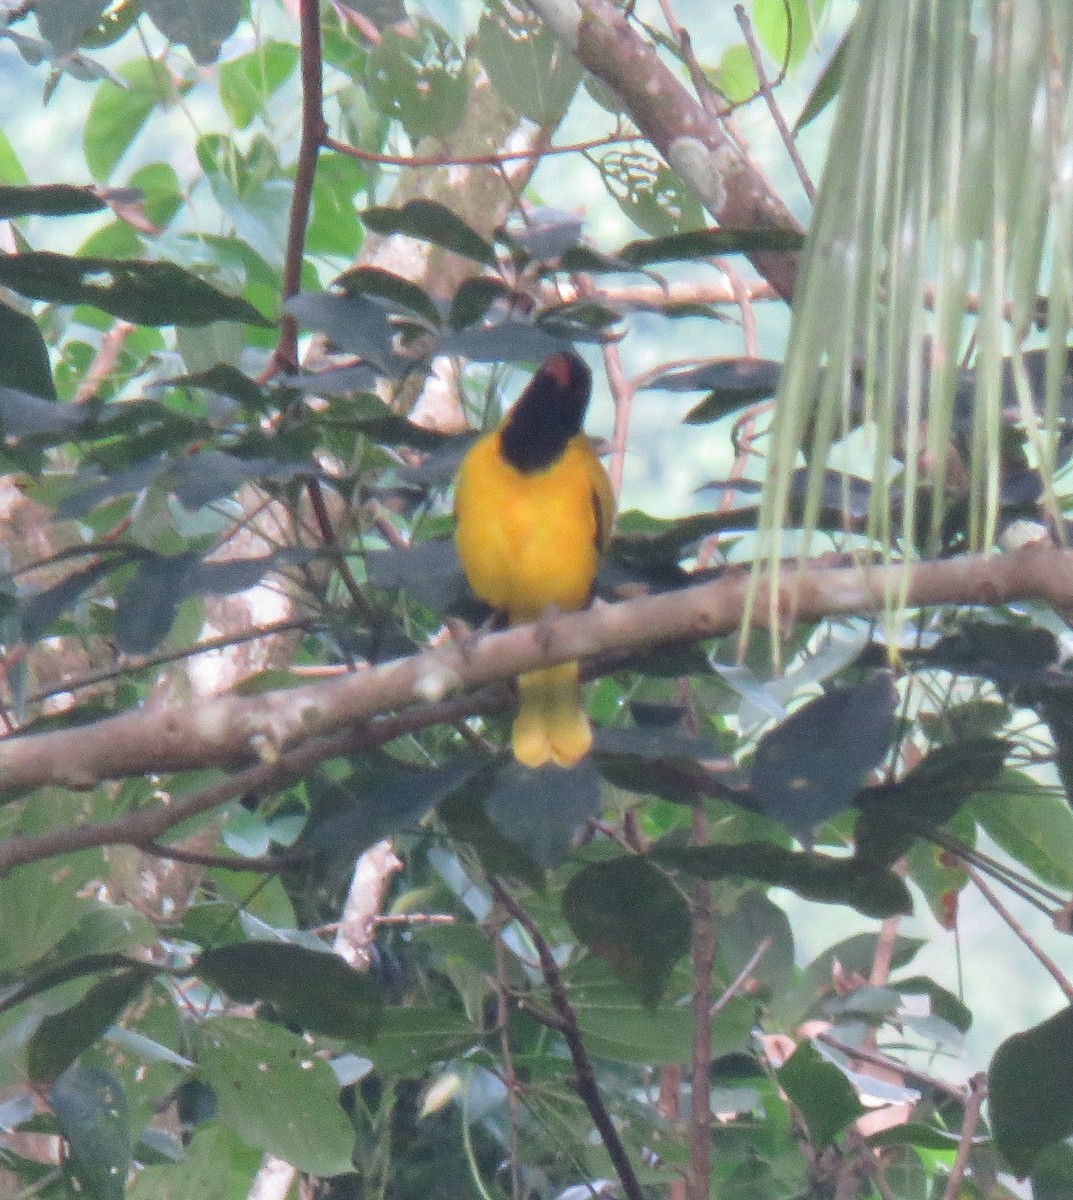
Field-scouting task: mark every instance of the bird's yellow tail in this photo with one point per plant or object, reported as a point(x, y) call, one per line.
point(551, 725)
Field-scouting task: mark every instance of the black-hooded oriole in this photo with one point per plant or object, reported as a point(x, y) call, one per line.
point(534, 508)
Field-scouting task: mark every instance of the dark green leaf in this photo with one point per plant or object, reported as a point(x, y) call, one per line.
point(431, 222)
point(401, 293)
point(91, 1109)
point(665, 763)
point(63, 22)
point(225, 380)
point(38, 611)
point(46, 974)
point(821, 1093)
point(541, 810)
point(25, 364)
point(913, 1133)
point(430, 572)
point(826, 87)
point(397, 800)
point(201, 25)
point(48, 200)
point(474, 298)
point(316, 991)
point(62, 1037)
point(630, 914)
point(893, 815)
point(507, 341)
point(1031, 1103)
point(704, 243)
point(944, 1004)
point(352, 322)
point(147, 292)
point(1052, 1173)
point(866, 888)
point(546, 233)
point(411, 1040)
point(795, 776)
point(754, 919)
point(23, 416)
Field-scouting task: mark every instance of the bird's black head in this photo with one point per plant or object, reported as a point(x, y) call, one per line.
point(548, 413)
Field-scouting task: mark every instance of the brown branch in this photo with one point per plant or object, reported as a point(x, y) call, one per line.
point(224, 642)
point(691, 139)
point(233, 731)
point(977, 1095)
point(566, 1023)
point(143, 827)
point(768, 93)
point(314, 129)
point(473, 160)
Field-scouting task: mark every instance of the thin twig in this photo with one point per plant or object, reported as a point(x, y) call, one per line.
point(742, 977)
point(909, 1075)
point(622, 393)
point(472, 160)
point(699, 1175)
point(977, 1095)
point(314, 128)
point(327, 533)
point(584, 1075)
point(768, 93)
point(1048, 964)
point(129, 667)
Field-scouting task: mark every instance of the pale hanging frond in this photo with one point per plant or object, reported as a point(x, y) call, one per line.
point(945, 212)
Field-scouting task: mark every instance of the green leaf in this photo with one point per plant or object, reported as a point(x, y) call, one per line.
point(63, 22)
point(335, 227)
point(402, 294)
point(277, 1094)
point(1030, 1100)
point(248, 82)
point(201, 25)
point(62, 1037)
point(826, 87)
point(528, 65)
point(25, 364)
point(116, 114)
point(313, 990)
point(91, 1109)
point(797, 780)
point(414, 1038)
point(821, 1092)
point(736, 74)
point(541, 810)
point(1033, 826)
point(785, 27)
point(862, 885)
point(650, 193)
point(633, 917)
point(1052, 1173)
point(420, 78)
point(704, 243)
point(146, 292)
point(430, 221)
point(475, 296)
point(48, 200)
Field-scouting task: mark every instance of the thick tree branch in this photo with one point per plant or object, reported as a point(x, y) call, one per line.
point(234, 731)
point(693, 141)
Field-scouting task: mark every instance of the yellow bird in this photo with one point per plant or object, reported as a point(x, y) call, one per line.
point(534, 507)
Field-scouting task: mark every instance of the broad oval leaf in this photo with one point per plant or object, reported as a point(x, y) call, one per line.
point(91, 1109)
point(316, 991)
point(1030, 1099)
point(528, 65)
point(430, 221)
point(419, 77)
point(633, 917)
point(799, 777)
